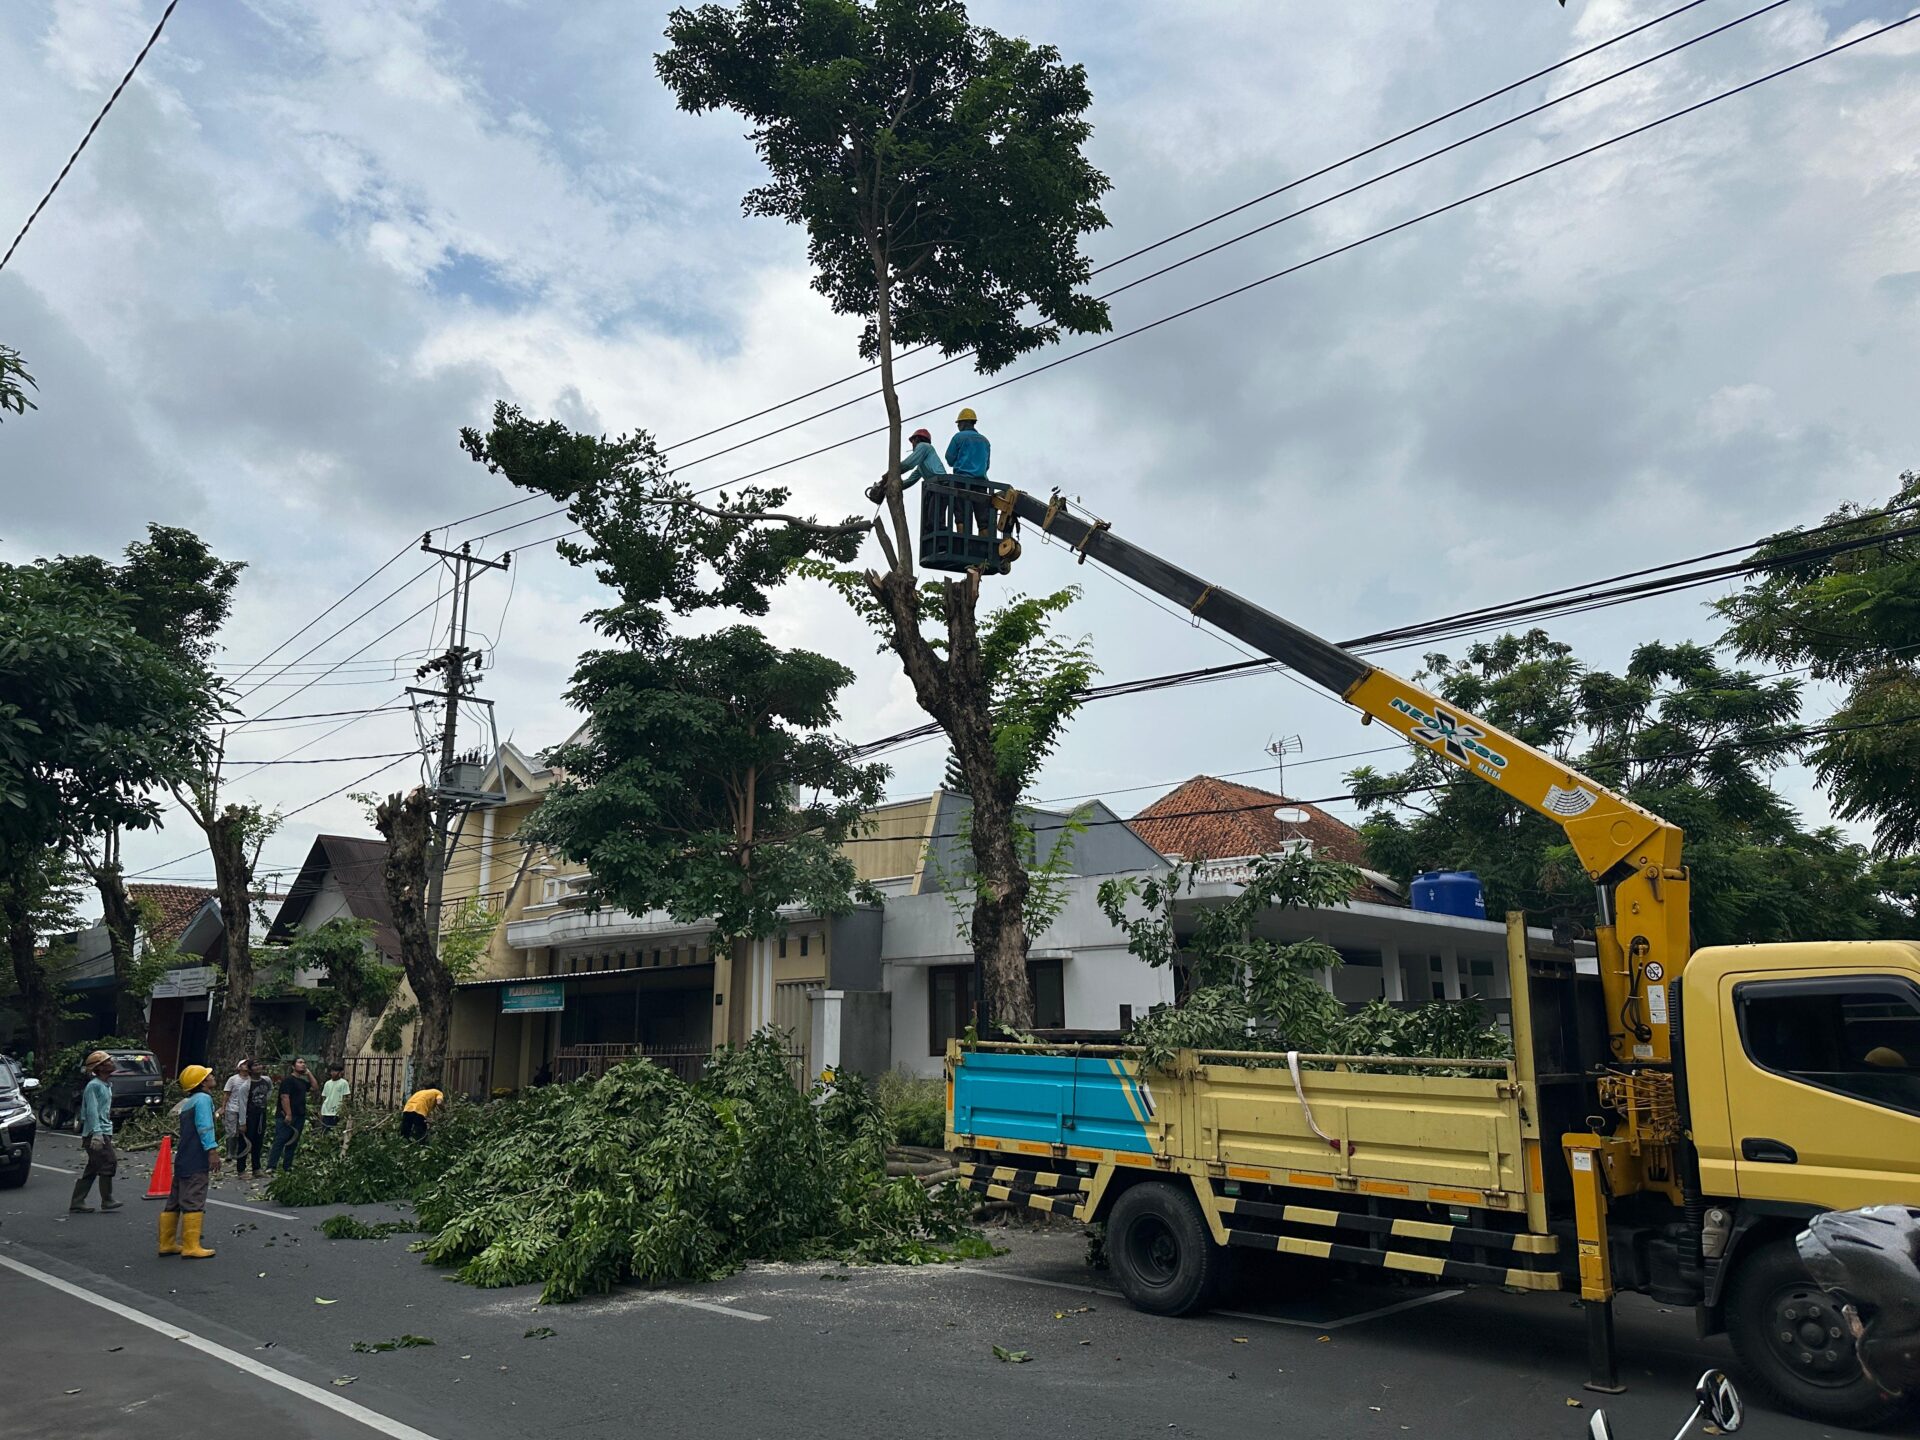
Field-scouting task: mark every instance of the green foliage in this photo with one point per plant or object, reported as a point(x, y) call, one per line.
point(1677, 732)
point(156, 952)
point(638, 1175)
point(63, 1069)
point(1852, 618)
point(358, 978)
point(14, 381)
point(345, 1227)
point(909, 142)
point(1036, 681)
point(388, 1034)
point(706, 783)
point(465, 933)
point(915, 1107)
point(381, 1347)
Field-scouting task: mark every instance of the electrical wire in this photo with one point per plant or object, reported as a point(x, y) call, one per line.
point(165, 15)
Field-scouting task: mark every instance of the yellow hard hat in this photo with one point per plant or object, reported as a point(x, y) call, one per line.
point(966, 414)
point(193, 1077)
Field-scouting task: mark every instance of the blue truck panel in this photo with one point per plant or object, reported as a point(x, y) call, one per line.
point(1051, 1100)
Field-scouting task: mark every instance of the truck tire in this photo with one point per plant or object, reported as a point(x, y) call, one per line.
point(1160, 1250)
point(1795, 1349)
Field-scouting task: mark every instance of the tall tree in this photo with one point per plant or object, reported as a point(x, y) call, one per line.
point(1678, 732)
point(175, 594)
point(406, 823)
point(38, 900)
point(92, 718)
point(937, 168)
point(235, 835)
point(705, 781)
point(1851, 616)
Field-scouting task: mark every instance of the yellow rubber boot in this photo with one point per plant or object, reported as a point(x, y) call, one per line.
point(190, 1245)
point(169, 1232)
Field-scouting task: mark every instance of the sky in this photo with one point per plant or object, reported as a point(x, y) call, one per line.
point(312, 242)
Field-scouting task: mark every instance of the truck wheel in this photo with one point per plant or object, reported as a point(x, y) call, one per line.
point(1160, 1251)
point(1788, 1334)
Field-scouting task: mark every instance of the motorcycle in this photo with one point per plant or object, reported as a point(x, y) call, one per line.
point(1869, 1261)
point(1715, 1400)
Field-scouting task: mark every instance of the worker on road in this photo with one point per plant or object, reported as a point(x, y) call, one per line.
point(922, 459)
point(420, 1105)
point(968, 450)
point(196, 1157)
point(96, 1135)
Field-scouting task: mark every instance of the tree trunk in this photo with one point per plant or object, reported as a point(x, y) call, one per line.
point(233, 885)
point(36, 991)
point(407, 825)
point(123, 938)
point(739, 959)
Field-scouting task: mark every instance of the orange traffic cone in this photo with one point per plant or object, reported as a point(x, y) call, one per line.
point(161, 1185)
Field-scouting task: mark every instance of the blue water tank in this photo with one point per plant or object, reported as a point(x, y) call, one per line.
point(1450, 892)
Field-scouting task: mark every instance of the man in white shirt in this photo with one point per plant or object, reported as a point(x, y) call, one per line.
point(233, 1113)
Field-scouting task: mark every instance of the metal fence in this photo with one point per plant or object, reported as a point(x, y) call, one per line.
point(380, 1082)
point(575, 1062)
point(469, 1073)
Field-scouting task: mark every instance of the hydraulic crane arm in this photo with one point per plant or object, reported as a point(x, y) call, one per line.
point(1632, 854)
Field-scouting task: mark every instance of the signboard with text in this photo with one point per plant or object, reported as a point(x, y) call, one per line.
point(533, 995)
point(197, 980)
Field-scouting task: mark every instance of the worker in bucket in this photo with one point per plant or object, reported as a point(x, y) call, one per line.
point(968, 450)
point(196, 1157)
point(922, 459)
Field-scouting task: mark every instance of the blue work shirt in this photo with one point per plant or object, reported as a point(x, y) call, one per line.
point(923, 459)
point(96, 1108)
point(196, 1135)
point(968, 453)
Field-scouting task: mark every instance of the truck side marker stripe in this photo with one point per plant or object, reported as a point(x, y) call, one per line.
point(1395, 1260)
point(1544, 1246)
point(1030, 1179)
point(1054, 1204)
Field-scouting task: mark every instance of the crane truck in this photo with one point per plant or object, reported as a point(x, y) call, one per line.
point(1665, 1126)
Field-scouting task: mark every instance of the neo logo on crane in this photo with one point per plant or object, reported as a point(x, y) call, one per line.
point(1460, 739)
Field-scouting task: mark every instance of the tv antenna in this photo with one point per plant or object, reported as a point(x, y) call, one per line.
point(1279, 749)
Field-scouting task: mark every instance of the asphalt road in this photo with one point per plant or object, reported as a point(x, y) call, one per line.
point(786, 1351)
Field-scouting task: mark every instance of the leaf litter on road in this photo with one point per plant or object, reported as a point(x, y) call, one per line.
point(1012, 1357)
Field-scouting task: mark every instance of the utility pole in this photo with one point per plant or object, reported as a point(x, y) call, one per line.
point(457, 680)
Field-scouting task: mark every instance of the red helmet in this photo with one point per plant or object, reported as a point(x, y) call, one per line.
point(921, 434)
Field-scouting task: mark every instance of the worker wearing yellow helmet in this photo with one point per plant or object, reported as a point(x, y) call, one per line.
point(196, 1158)
point(968, 451)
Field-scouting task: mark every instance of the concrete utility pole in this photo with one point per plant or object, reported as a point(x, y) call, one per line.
point(456, 685)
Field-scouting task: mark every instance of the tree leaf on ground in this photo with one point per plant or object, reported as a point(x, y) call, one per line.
point(1012, 1357)
point(540, 1332)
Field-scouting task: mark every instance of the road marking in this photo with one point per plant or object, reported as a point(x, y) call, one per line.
point(339, 1404)
point(711, 1305)
point(224, 1204)
point(1323, 1325)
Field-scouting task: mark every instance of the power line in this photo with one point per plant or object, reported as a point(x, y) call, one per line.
point(323, 759)
point(1215, 218)
point(165, 15)
point(1425, 215)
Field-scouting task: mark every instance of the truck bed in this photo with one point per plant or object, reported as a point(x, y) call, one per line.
point(1386, 1145)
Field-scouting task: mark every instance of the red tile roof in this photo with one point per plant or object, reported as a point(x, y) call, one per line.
point(1209, 819)
point(177, 905)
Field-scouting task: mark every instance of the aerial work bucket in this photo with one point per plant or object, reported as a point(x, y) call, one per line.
point(959, 527)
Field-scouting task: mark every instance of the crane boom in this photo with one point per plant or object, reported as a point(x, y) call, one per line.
point(1632, 855)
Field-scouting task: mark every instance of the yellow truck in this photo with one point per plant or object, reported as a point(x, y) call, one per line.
point(1667, 1125)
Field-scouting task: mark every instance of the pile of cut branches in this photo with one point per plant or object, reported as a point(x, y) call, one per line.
point(639, 1175)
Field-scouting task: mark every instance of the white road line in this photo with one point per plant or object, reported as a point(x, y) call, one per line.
point(1340, 1324)
point(225, 1204)
point(711, 1305)
point(328, 1399)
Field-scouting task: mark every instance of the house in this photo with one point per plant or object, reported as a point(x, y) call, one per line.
point(340, 879)
point(89, 985)
point(565, 986)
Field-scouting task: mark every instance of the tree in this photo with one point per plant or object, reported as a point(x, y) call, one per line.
point(235, 833)
point(1851, 617)
point(406, 823)
point(704, 782)
point(175, 594)
point(92, 718)
point(1679, 733)
point(358, 979)
point(937, 168)
point(38, 900)
point(14, 381)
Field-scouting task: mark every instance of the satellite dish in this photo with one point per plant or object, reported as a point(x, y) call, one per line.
point(1291, 815)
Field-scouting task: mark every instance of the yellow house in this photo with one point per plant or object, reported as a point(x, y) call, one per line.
point(564, 988)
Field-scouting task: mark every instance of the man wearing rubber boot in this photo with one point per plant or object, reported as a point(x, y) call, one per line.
point(196, 1156)
point(96, 1135)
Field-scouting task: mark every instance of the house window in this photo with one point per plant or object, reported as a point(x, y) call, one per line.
point(783, 947)
point(673, 955)
point(949, 1005)
point(803, 945)
point(1858, 1036)
point(656, 954)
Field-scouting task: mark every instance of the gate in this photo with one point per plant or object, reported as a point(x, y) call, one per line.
point(793, 1017)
